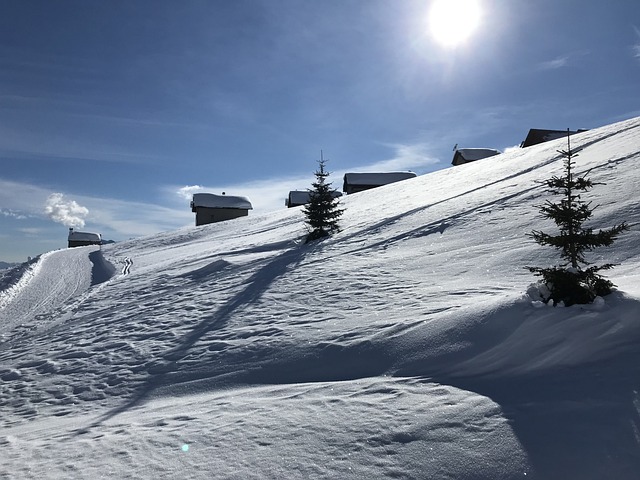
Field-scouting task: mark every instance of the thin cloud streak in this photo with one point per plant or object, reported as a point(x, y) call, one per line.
point(554, 64)
point(407, 157)
point(10, 213)
point(187, 191)
point(563, 60)
point(20, 144)
point(636, 48)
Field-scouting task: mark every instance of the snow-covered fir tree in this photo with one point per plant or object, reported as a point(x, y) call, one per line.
point(573, 281)
point(323, 210)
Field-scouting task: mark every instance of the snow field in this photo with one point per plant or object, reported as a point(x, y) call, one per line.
point(403, 347)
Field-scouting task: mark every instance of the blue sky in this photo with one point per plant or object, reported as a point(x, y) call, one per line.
point(113, 112)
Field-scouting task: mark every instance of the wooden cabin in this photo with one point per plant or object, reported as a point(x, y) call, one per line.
point(466, 155)
point(358, 182)
point(297, 198)
point(82, 239)
point(537, 135)
point(212, 208)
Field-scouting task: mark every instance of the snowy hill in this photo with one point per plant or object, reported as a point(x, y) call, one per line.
point(403, 347)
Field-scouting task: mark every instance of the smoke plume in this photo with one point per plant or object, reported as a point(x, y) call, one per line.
point(66, 212)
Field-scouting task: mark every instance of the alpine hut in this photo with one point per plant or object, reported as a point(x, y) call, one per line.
point(212, 208)
point(82, 239)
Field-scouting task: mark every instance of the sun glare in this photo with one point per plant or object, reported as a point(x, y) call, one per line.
point(452, 22)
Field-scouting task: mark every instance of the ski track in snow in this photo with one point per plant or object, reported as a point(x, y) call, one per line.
point(378, 352)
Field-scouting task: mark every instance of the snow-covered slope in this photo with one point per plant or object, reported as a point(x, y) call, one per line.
point(403, 347)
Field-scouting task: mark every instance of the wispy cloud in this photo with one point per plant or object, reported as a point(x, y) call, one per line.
point(31, 232)
point(13, 214)
point(21, 143)
point(117, 219)
point(406, 157)
point(187, 191)
point(563, 61)
point(554, 64)
point(67, 212)
point(22, 198)
point(636, 48)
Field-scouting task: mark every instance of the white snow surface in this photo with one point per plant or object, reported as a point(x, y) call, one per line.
point(406, 346)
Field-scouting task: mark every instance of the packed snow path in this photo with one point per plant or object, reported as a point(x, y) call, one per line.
point(53, 281)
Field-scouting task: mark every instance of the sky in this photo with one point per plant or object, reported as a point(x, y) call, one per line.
point(113, 113)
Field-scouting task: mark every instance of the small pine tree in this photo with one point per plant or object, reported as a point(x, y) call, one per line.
point(569, 282)
point(322, 210)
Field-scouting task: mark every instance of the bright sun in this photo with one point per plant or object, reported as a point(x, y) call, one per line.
point(452, 22)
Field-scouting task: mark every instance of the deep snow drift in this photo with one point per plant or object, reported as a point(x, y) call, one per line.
point(403, 347)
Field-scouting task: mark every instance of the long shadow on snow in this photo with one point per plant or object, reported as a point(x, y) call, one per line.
point(573, 423)
point(256, 286)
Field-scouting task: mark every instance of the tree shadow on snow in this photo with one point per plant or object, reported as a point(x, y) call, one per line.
point(255, 287)
point(580, 421)
point(575, 422)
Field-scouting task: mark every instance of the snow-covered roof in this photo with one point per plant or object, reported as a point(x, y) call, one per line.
point(539, 135)
point(84, 236)
point(211, 200)
point(471, 154)
point(376, 178)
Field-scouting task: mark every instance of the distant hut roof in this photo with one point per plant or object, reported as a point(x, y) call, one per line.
point(76, 236)
point(301, 197)
point(538, 135)
point(357, 182)
point(379, 179)
point(211, 200)
point(465, 155)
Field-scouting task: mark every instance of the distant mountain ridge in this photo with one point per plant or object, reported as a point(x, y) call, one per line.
point(4, 265)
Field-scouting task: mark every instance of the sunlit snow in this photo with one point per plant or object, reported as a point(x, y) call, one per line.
point(406, 346)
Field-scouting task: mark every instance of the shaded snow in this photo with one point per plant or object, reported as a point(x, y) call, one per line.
point(403, 347)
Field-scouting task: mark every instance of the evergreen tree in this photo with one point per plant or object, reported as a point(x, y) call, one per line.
point(322, 210)
point(570, 282)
